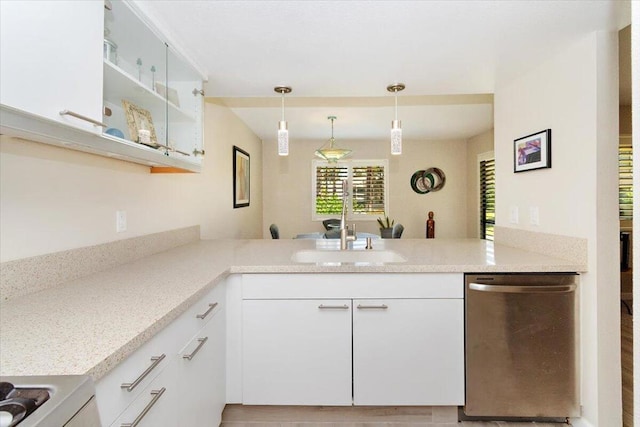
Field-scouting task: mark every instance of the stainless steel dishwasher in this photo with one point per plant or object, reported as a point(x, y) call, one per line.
point(521, 346)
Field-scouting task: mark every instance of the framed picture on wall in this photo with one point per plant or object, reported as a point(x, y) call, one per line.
point(241, 169)
point(532, 151)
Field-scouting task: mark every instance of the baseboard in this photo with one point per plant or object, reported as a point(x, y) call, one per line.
point(580, 422)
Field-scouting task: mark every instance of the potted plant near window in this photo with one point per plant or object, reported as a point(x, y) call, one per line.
point(386, 227)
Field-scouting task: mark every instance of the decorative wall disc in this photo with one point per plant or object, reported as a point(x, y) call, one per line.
point(424, 181)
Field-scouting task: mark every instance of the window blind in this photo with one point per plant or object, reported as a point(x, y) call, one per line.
point(328, 189)
point(487, 198)
point(368, 190)
point(625, 181)
point(367, 184)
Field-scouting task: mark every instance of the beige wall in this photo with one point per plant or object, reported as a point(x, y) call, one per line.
point(574, 93)
point(54, 199)
point(476, 146)
point(287, 186)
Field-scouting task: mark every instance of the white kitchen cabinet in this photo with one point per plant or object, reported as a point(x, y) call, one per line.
point(408, 352)
point(156, 404)
point(407, 333)
point(52, 59)
point(198, 384)
point(201, 374)
point(296, 352)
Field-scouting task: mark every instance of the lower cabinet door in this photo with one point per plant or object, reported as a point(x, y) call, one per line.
point(155, 406)
point(408, 352)
point(201, 367)
point(296, 352)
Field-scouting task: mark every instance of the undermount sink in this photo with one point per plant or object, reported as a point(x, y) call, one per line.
point(337, 257)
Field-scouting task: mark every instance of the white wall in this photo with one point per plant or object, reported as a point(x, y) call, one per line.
point(479, 144)
point(574, 93)
point(53, 199)
point(287, 186)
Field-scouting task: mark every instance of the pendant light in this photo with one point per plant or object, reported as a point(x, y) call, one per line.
point(396, 125)
point(283, 132)
point(329, 151)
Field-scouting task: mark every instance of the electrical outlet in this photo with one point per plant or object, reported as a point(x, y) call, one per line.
point(534, 215)
point(514, 215)
point(121, 221)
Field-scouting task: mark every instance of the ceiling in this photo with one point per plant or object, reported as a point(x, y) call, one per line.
point(339, 57)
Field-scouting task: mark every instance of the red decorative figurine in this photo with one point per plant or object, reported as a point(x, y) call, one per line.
point(431, 226)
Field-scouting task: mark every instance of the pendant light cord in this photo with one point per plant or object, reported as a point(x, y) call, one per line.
point(396, 100)
point(283, 106)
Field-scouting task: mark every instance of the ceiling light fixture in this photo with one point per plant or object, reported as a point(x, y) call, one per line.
point(329, 151)
point(396, 125)
point(283, 132)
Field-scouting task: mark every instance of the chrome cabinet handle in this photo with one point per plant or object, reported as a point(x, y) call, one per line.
point(373, 307)
point(156, 361)
point(209, 310)
point(201, 342)
point(333, 307)
point(156, 395)
point(81, 117)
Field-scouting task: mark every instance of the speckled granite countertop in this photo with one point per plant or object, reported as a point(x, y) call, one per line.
point(89, 325)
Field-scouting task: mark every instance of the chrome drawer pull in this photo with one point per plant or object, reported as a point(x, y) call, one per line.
point(81, 117)
point(156, 361)
point(333, 307)
point(156, 395)
point(193, 353)
point(373, 307)
point(206, 313)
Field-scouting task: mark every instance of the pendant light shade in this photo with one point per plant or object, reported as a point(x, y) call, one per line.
point(283, 131)
point(329, 151)
point(396, 125)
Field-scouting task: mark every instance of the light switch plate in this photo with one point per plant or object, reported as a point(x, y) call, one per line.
point(534, 215)
point(514, 215)
point(121, 221)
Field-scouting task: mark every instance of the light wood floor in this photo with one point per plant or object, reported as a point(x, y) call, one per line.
point(626, 335)
point(321, 416)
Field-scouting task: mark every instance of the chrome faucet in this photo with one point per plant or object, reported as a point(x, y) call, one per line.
point(344, 228)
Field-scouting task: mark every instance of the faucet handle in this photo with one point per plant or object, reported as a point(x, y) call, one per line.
point(354, 229)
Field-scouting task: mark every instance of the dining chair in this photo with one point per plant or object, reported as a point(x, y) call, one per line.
point(331, 224)
point(275, 233)
point(397, 230)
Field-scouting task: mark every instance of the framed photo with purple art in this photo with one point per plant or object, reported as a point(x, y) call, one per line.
point(241, 190)
point(532, 152)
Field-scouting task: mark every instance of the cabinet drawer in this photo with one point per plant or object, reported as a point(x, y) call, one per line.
point(155, 405)
point(139, 369)
point(362, 285)
point(198, 315)
point(112, 397)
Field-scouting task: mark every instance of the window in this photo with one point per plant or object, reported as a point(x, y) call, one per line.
point(367, 187)
point(487, 198)
point(625, 181)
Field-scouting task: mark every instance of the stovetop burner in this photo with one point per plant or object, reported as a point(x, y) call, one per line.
point(17, 403)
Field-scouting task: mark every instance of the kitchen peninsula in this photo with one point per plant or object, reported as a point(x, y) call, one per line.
point(91, 324)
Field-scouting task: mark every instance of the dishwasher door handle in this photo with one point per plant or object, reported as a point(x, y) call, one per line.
point(522, 289)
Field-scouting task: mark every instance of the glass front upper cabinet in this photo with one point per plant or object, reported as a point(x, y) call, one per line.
point(152, 96)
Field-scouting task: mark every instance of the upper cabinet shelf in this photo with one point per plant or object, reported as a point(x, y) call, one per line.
point(116, 69)
point(118, 85)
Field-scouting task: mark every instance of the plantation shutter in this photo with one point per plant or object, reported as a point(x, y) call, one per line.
point(329, 189)
point(487, 198)
point(368, 190)
point(625, 180)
